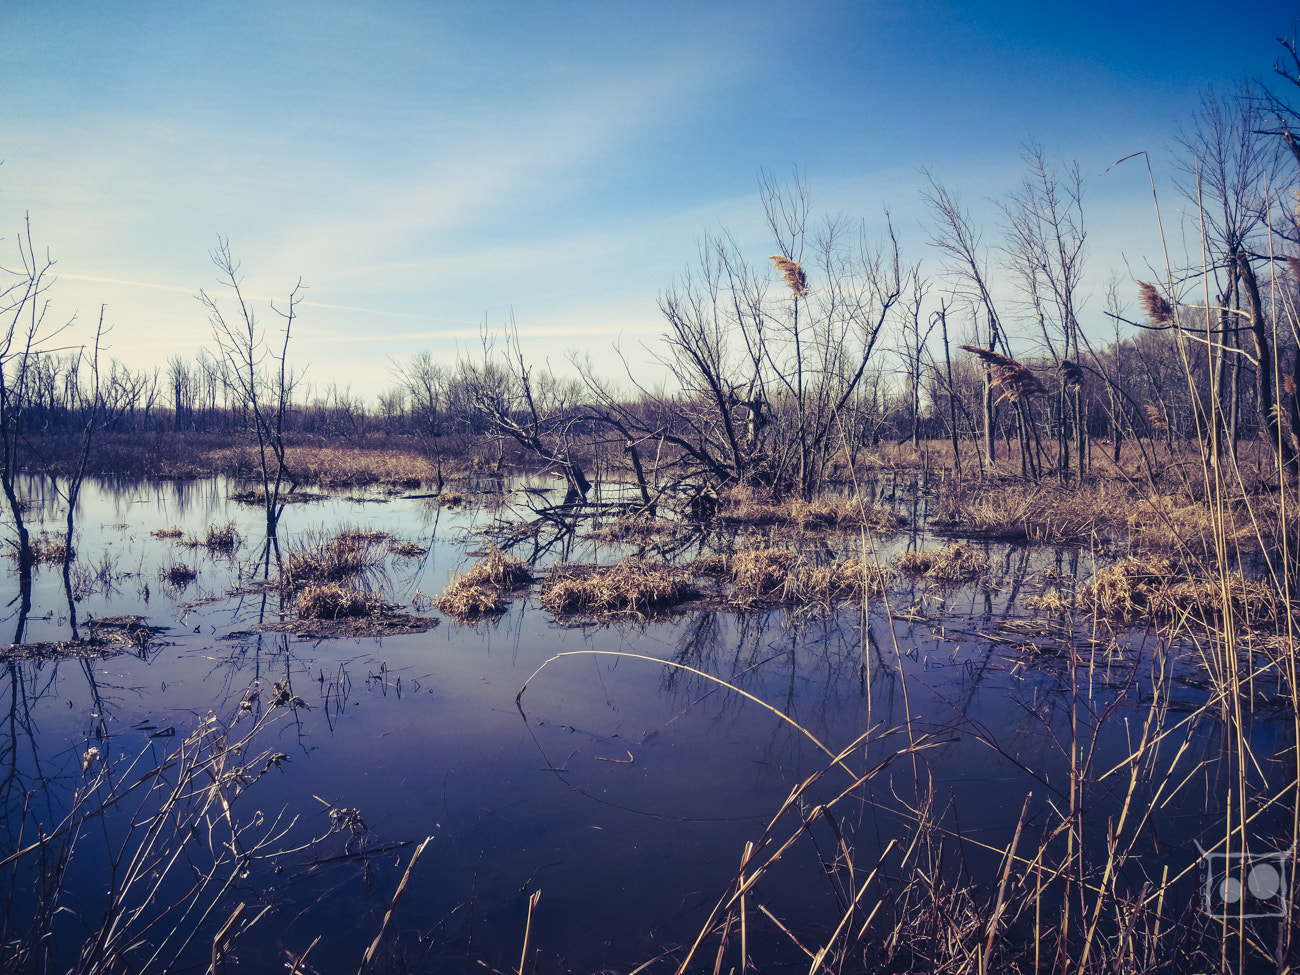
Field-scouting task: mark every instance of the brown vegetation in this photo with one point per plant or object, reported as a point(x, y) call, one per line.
point(634, 587)
point(484, 589)
point(957, 562)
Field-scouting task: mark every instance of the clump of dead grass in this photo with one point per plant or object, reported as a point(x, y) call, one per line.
point(631, 587)
point(843, 513)
point(1051, 602)
point(745, 505)
point(167, 533)
point(1154, 587)
point(956, 562)
point(331, 601)
point(484, 588)
point(326, 558)
point(221, 538)
point(764, 575)
point(407, 550)
point(827, 584)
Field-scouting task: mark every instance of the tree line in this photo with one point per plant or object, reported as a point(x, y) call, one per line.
point(784, 371)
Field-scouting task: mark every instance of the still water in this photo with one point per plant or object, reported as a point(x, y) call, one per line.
point(622, 787)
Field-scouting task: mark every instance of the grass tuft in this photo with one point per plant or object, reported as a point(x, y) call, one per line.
point(633, 586)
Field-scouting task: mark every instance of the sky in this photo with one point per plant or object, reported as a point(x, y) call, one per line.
point(431, 168)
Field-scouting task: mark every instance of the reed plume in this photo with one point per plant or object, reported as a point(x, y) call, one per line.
point(1157, 307)
point(793, 274)
point(1293, 265)
point(1071, 374)
point(1017, 381)
point(1156, 418)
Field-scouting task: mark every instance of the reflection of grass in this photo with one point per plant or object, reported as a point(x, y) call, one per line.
point(178, 574)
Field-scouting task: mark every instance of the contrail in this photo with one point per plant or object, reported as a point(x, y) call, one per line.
point(305, 304)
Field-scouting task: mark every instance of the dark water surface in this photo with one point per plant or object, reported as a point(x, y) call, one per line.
point(624, 789)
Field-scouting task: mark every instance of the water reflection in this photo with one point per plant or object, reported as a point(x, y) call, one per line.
point(630, 784)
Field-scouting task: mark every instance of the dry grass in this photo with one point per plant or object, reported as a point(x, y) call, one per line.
point(854, 578)
point(631, 587)
point(407, 550)
point(483, 590)
point(1016, 511)
point(330, 601)
point(1156, 588)
point(1052, 602)
point(765, 575)
point(167, 533)
point(335, 558)
point(843, 513)
point(957, 562)
point(744, 505)
point(219, 538)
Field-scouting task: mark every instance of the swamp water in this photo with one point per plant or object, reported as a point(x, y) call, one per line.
point(623, 788)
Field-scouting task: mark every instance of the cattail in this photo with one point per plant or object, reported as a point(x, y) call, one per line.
point(1158, 309)
point(1156, 418)
point(793, 274)
point(1071, 374)
point(1016, 380)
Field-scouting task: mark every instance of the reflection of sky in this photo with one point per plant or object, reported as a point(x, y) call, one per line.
point(424, 166)
point(627, 788)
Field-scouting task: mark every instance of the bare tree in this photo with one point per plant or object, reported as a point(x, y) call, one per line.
point(1045, 250)
point(535, 409)
point(260, 378)
point(966, 267)
point(760, 373)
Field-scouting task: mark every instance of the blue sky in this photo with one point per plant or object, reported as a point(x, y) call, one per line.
point(427, 166)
